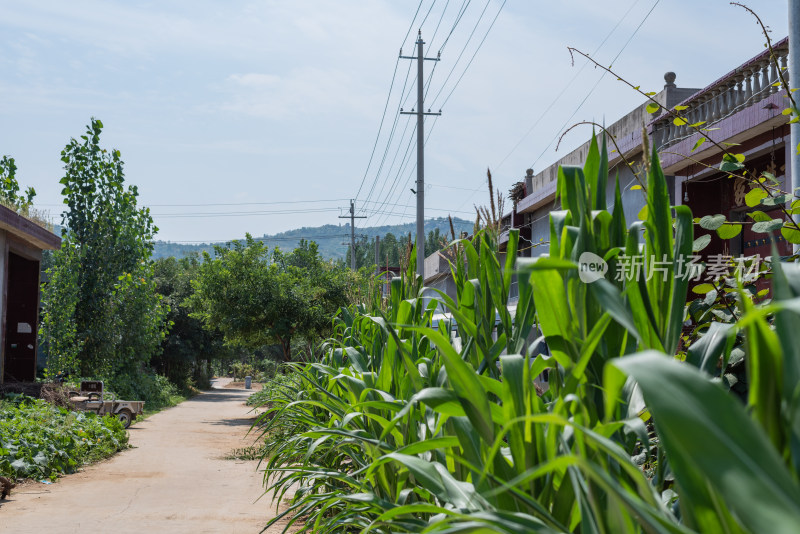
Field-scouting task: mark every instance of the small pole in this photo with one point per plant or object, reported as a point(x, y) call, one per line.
point(352, 218)
point(794, 81)
point(377, 254)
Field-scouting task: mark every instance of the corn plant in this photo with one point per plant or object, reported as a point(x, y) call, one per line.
point(398, 430)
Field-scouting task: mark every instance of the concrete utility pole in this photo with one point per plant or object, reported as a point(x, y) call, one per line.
point(420, 113)
point(352, 218)
point(794, 81)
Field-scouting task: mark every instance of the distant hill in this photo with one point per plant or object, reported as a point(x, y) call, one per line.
point(332, 239)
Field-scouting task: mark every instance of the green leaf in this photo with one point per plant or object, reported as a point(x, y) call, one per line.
point(680, 108)
point(435, 478)
point(754, 196)
point(643, 213)
point(776, 200)
point(759, 216)
point(702, 289)
point(679, 121)
point(701, 242)
point(790, 233)
point(699, 143)
point(732, 162)
point(765, 227)
point(636, 187)
point(712, 222)
point(708, 436)
point(697, 124)
point(729, 230)
point(652, 107)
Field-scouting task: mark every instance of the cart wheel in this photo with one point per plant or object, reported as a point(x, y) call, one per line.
point(125, 417)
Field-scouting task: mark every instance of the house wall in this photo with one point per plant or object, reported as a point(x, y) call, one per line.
point(3, 260)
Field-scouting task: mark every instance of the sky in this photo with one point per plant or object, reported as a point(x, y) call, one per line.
point(265, 116)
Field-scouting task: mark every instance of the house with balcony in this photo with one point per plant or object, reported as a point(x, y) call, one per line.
point(533, 210)
point(742, 109)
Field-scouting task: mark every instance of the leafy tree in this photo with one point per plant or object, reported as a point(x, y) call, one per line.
point(256, 298)
point(102, 315)
point(188, 349)
point(9, 187)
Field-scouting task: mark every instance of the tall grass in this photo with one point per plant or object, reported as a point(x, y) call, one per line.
point(398, 430)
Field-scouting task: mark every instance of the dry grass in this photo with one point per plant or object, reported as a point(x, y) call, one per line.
point(36, 216)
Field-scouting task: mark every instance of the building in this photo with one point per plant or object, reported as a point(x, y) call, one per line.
point(21, 244)
point(533, 210)
point(742, 109)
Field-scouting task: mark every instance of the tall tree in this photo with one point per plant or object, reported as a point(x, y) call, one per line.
point(102, 313)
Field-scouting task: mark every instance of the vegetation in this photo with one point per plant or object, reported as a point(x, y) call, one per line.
point(11, 197)
point(41, 441)
point(328, 237)
point(189, 348)
point(257, 298)
point(394, 250)
point(401, 427)
point(102, 315)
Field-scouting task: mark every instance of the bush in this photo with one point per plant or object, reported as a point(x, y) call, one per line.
point(155, 390)
point(40, 441)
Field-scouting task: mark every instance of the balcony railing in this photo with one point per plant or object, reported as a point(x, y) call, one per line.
point(743, 87)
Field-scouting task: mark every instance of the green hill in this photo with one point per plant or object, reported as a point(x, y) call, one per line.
point(332, 239)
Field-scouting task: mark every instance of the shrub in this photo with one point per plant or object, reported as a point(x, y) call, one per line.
point(40, 441)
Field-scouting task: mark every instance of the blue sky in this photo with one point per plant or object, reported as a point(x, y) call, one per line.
point(223, 109)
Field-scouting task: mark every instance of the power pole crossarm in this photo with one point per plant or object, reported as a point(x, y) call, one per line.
point(420, 113)
point(352, 218)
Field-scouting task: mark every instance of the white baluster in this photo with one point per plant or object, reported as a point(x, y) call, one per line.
point(748, 87)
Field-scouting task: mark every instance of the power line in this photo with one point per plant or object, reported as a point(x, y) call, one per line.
point(460, 14)
point(404, 96)
point(280, 202)
point(474, 53)
point(455, 64)
point(584, 99)
point(262, 238)
point(242, 213)
point(404, 161)
point(597, 83)
point(566, 86)
point(388, 97)
point(474, 29)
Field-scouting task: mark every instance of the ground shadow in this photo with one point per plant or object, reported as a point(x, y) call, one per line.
point(231, 422)
point(216, 395)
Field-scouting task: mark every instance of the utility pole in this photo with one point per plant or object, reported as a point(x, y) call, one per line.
point(794, 81)
point(352, 218)
point(377, 254)
point(420, 113)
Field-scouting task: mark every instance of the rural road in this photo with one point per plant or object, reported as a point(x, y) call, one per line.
point(173, 481)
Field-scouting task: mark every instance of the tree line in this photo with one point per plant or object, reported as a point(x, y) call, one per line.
point(109, 311)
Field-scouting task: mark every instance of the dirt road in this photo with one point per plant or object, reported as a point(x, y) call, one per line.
point(174, 480)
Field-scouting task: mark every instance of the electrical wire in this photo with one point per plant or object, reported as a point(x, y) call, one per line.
point(388, 97)
point(603, 75)
point(473, 55)
point(463, 49)
point(591, 91)
point(566, 86)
